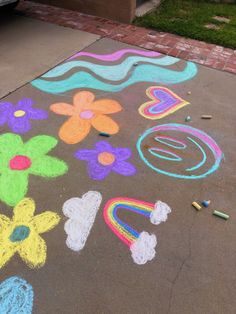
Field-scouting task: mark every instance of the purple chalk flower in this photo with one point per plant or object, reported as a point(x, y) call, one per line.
point(18, 116)
point(104, 158)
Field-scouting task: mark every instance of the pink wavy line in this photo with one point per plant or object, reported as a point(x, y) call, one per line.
point(115, 55)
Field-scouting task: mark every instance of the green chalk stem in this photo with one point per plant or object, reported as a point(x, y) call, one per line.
point(220, 214)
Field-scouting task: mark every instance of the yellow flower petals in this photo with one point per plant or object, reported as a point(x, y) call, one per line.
point(4, 221)
point(33, 251)
point(24, 210)
point(21, 234)
point(6, 252)
point(45, 221)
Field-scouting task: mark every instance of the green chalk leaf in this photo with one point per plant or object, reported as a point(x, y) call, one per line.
point(48, 166)
point(13, 186)
point(40, 145)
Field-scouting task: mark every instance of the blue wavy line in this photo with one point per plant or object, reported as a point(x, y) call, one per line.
point(109, 72)
point(142, 73)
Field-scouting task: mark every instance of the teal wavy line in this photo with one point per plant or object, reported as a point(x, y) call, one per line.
point(142, 73)
point(109, 72)
point(203, 153)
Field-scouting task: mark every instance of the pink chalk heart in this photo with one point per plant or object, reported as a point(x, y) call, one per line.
point(163, 102)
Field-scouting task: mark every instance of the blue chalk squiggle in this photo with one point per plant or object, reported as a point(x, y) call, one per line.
point(16, 296)
point(142, 73)
point(115, 72)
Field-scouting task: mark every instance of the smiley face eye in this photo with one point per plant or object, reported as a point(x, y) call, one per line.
point(164, 154)
point(169, 142)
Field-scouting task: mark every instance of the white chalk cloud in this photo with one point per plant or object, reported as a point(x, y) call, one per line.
point(81, 213)
point(160, 213)
point(143, 249)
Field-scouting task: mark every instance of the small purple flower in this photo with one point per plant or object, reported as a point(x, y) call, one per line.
point(18, 116)
point(104, 158)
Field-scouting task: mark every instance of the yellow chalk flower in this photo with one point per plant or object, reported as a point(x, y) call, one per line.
point(22, 234)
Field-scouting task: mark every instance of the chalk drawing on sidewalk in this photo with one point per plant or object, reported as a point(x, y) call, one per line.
point(81, 213)
point(104, 159)
point(114, 73)
point(18, 116)
point(19, 160)
point(163, 102)
point(116, 77)
point(22, 234)
point(141, 244)
point(16, 296)
point(197, 146)
point(114, 56)
point(86, 112)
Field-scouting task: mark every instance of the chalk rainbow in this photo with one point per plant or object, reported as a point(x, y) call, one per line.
point(122, 230)
point(141, 244)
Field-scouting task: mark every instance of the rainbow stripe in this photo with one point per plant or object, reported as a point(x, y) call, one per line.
point(122, 230)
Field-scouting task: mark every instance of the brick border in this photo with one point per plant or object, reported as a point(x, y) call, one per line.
point(210, 55)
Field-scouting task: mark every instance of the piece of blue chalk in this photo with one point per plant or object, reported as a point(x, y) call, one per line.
point(104, 134)
point(206, 203)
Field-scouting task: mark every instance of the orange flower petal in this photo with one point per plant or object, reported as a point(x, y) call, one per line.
point(74, 130)
point(83, 99)
point(105, 124)
point(63, 108)
point(105, 106)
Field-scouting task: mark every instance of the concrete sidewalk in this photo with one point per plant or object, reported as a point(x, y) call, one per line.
point(30, 47)
point(194, 267)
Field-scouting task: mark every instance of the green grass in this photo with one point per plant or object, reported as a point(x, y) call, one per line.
point(188, 17)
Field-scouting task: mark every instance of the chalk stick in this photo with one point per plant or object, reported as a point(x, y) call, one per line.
point(104, 134)
point(221, 214)
point(206, 203)
point(196, 206)
point(206, 116)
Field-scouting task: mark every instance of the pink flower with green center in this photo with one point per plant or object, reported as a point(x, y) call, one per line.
point(19, 160)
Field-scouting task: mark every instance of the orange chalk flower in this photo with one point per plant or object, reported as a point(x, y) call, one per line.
point(84, 113)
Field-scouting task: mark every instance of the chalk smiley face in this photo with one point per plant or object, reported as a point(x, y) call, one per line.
point(194, 157)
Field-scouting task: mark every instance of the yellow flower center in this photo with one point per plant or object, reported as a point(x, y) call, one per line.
point(106, 158)
point(19, 113)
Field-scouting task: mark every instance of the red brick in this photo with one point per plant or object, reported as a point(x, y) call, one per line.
point(174, 52)
point(183, 55)
point(208, 54)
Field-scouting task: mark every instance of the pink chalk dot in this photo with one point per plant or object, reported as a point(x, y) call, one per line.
point(20, 162)
point(86, 114)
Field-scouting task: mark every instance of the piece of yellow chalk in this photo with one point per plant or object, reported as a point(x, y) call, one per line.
point(196, 206)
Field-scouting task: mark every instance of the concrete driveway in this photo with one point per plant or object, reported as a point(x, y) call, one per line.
point(105, 258)
point(30, 47)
